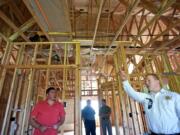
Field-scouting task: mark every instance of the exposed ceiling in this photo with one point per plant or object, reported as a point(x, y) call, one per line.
point(145, 26)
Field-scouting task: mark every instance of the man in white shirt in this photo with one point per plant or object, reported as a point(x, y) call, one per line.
point(162, 107)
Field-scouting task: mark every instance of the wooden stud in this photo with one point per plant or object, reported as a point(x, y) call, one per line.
point(116, 115)
point(11, 97)
point(4, 61)
point(77, 122)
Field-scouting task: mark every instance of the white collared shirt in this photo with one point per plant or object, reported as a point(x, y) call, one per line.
point(162, 109)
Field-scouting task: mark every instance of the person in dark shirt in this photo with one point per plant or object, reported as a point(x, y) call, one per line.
point(104, 113)
point(88, 114)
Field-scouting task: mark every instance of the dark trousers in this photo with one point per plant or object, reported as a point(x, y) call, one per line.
point(90, 127)
point(106, 126)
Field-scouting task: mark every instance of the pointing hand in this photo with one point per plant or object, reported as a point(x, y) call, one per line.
point(123, 75)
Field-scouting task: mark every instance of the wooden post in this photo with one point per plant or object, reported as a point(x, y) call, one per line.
point(167, 68)
point(11, 96)
point(64, 72)
point(77, 122)
point(19, 72)
point(99, 99)
point(129, 101)
point(23, 100)
point(141, 118)
point(122, 103)
point(18, 94)
point(116, 115)
point(49, 63)
point(4, 61)
point(64, 81)
point(29, 95)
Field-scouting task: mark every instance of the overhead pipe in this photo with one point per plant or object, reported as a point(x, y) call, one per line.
point(96, 26)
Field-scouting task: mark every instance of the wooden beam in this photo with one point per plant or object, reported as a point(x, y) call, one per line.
point(11, 24)
point(40, 66)
point(141, 20)
point(3, 2)
point(161, 34)
point(138, 65)
point(116, 114)
point(96, 26)
point(174, 46)
point(166, 43)
point(22, 29)
point(77, 120)
point(157, 15)
point(19, 15)
point(134, 38)
point(12, 93)
point(153, 8)
point(126, 18)
point(4, 61)
point(4, 37)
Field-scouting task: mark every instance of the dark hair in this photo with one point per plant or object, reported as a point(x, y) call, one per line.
point(88, 100)
point(104, 100)
point(154, 75)
point(49, 89)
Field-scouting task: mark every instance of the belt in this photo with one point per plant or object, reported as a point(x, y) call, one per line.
point(105, 118)
point(152, 133)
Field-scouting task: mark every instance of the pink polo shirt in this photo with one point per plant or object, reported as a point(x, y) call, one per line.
point(48, 115)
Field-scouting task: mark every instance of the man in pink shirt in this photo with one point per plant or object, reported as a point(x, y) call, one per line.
point(48, 115)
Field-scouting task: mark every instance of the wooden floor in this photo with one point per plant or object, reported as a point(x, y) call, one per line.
point(97, 132)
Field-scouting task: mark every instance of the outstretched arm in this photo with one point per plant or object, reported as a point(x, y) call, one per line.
point(138, 96)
